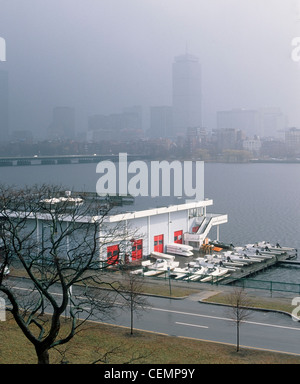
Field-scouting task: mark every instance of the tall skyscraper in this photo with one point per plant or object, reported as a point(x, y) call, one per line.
point(186, 94)
point(63, 124)
point(4, 107)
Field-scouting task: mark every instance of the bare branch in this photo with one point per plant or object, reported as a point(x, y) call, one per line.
point(56, 240)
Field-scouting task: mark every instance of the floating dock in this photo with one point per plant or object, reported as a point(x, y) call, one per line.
point(253, 269)
point(239, 265)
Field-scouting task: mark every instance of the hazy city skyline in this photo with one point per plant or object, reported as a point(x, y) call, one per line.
point(100, 57)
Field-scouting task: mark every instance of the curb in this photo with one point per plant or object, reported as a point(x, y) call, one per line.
point(253, 309)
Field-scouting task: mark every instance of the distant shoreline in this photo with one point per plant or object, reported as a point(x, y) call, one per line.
point(88, 159)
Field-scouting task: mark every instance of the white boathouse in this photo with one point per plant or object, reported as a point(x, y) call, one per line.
point(188, 223)
point(133, 234)
point(148, 230)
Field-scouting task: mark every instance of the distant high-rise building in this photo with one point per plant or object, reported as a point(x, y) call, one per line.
point(245, 120)
point(161, 121)
point(186, 94)
point(273, 122)
point(133, 118)
point(262, 122)
point(116, 126)
point(63, 124)
point(4, 107)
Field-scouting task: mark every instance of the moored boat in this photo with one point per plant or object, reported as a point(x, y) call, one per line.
point(220, 244)
point(163, 263)
point(180, 249)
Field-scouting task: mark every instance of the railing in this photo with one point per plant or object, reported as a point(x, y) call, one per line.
point(268, 285)
point(271, 286)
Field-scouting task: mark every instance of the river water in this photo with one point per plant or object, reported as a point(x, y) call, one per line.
point(263, 203)
point(262, 200)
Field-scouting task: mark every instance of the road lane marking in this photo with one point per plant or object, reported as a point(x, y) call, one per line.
point(225, 318)
point(199, 315)
point(191, 325)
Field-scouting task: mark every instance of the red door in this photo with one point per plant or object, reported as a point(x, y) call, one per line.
point(137, 250)
point(178, 237)
point(113, 254)
point(159, 243)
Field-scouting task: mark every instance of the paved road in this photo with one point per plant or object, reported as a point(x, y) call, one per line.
point(190, 318)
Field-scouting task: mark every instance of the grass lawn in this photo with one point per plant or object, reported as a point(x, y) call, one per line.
point(115, 345)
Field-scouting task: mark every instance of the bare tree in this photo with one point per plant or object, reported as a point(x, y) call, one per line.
point(128, 356)
point(132, 287)
point(56, 241)
point(239, 310)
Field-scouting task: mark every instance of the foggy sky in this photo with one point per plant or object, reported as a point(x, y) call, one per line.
point(100, 56)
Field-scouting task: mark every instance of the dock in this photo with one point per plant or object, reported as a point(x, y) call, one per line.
point(225, 265)
point(289, 262)
point(239, 268)
point(254, 268)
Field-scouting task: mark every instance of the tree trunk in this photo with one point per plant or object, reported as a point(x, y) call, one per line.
point(43, 357)
point(238, 337)
point(131, 319)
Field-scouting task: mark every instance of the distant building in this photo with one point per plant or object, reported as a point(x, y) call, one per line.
point(240, 119)
point(195, 137)
point(132, 118)
point(263, 122)
point(187, 99)
point(228, 138)
point(63, 124)
point(252, 145)
point(273, 122)
point(271, 147)
point(4, 107)
point(117, 126)
point(161, 119)
point(25, 136)
point(292, 140)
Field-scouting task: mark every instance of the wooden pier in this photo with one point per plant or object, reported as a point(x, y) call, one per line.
point(256, 267)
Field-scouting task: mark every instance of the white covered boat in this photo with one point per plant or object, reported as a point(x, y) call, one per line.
point(180, 249)
point(163, 263)
point(255, 253)
point(265, 246)
point(199, 273)
point(192, 272)
point(216, 273)
point(241, 257)
point(207, 271)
